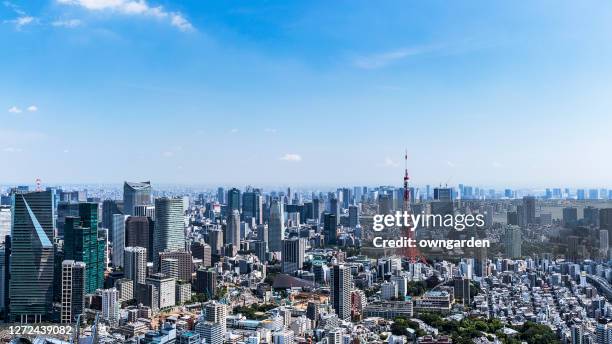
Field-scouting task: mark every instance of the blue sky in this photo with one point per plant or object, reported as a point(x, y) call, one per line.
point(270, 92)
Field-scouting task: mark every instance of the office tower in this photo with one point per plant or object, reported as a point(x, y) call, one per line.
point(109, 208)
point(341, 284)
point(135, 264)
point(32, 268)
point(317, 209)
point(203, 251)
point(81, 243)
point(232, 232)
point(570, 217)
point(353, 216)
point(139, 233)
point(215, 240)
point(330, 229)
point(462, 290)
point(110, 305)
point(252, 204)
point(529, 209)
point(65, 209)
point(212, 333)
point(134, 194)
point(580, 194)
point(216, 312)
point(184, 263)
point(147, 210)
point(4, 252)
point(513, 242)
point(591, 216)
point(577, 333)
point(283, 337)
point(169, 233)
point(5, 222)
point(335, 208)
point(206, 281)
point(388, 291)
point(118, 230)
point(443, 194)
point(73, 290)
point(164, 289)
point(604, 242)
point(233, 200)
point(261, 250)
point(276, 226)
point(292, 256)
point(221, 195)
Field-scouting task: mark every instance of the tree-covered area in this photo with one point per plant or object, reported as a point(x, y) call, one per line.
point(254, 311)
point(416, 288)
point(464, 331)
point(401, 324)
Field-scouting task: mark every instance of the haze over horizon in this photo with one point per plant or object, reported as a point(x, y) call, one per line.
point(306, 93)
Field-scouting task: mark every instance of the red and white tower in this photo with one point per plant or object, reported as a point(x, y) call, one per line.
point(412, 253)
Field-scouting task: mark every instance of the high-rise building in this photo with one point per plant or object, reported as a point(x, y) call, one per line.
point(139, 233)
point(203, 251)
point(5, 222)
point(31, 270)
point(353, 216)
point(529, 209)
point(330, 228)
point(110, 207)
point(165, 290)
point(134, 194)
point(570, 217)
point(206, 281)
point(252, 205)
point(169, 233)
point(135, 264)
point(233, 200)
point(513, 242)
point(605, 221)
point(232, 232)
point(261, 250)
point(221, 195)
point(276, 226)
point(147, 210)
point(462, 290)
point(292, 256)
point(216, 312)
point(81, 243)
point(184, 263)
point(211, 332)
point(341, 284)
point(604, 242)
point(110, 305)
point(118, 238)
point(73, 290)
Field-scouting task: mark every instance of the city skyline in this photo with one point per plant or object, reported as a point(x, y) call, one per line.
point(243, 93)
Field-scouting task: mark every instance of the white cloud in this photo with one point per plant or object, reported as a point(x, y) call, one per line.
point(291, 157)
point(234, 130)
point(270, 130)
point(32, 108)
point(14, 109)
point(383, 59)
point(390, 163)
point(21, 21)
point(450, 164)
point(133, 7)
point(68, 23)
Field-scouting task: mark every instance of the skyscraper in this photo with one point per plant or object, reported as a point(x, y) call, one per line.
point(292, 256)
point(330, 228)
point(353, 216)
point(109, 208)
point(232, 232)
point(135, 262)
point(110, 305)
point(513, 242)
point(135, 194)
point(169, 234)
point(81, 244)
point(118, 230)
point(276, 226)
point(206, 281)
point(529, 209)
point(139, 233)
point(31, 270)
point(216, 312)
point(252, 206)
point(73, 290)
point(233, 200)
point(341, 283)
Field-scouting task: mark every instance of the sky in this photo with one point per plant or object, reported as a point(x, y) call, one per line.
point(491, 93)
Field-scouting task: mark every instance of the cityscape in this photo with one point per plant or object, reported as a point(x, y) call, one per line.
point(139, 264)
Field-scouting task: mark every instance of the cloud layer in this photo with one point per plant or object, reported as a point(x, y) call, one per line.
point(291, 157)
point(133, 7)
